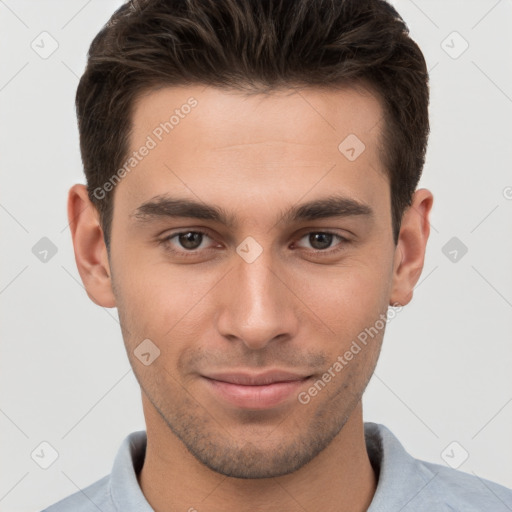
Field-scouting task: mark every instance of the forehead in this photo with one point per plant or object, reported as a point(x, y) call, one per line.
point(312, 116)
point(226, 145)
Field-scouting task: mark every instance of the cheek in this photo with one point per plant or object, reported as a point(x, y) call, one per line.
point(346, 298)
point(157, 300)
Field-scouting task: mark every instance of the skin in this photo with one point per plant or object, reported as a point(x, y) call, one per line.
point(289, 309)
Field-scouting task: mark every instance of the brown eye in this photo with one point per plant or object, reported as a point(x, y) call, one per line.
point(321, 241)
point(190, 240)
point(185, 243)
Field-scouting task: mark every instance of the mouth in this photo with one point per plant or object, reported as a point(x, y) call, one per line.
point(255, 391)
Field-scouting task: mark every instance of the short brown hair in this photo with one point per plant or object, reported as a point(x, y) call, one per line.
point(257, 46)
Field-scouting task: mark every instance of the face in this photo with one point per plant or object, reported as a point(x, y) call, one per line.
point(268, 276)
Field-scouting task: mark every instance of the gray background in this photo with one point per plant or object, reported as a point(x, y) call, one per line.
point(444, 373)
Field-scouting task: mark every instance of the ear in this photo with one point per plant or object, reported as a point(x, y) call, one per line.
point(90, 251)
point(410, 250)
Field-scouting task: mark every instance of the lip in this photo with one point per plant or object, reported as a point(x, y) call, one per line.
point(256, 379)
point(255, 391)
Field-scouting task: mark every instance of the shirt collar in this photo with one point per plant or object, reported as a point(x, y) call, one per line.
point(124, 487)
point(401, 477)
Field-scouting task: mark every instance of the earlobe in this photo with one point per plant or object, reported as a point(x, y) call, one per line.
point(411, 247)
point(397, 263)
point(89, 246)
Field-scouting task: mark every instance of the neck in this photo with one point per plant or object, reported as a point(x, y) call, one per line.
point(339, 479)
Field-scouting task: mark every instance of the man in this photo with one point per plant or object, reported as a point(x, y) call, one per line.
point(251, 210)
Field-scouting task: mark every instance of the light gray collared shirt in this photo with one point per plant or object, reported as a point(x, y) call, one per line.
point(405, 484)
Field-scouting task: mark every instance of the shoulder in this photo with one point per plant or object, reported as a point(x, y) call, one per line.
point(409, 484)
point(118, 490)
point(468, 492)
point(90, 499)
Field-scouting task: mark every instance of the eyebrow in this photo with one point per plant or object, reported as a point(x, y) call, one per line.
point(165, 206)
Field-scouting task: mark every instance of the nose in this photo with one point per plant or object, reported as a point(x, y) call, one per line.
point(258, 305)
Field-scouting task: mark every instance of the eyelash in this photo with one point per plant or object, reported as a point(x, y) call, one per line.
point(185, 253)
